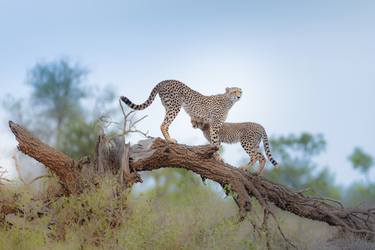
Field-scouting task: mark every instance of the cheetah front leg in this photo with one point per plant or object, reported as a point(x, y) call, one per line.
point(214, 138)
point(170, 115)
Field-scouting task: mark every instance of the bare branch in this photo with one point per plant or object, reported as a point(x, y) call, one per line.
point(18, 168)
point(129, 123)
point(38, 178)
point(132, 124)
point(3, 172)
point(140, 132)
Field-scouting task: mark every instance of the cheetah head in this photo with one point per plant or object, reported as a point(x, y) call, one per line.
point(199, 123)
point(196, 122)
point(233, 93)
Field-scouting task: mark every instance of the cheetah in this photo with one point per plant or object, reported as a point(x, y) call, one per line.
point(249, 134)
point(175, 94)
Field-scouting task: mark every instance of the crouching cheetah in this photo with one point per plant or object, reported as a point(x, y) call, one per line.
point(175, 94)
point(249, 134)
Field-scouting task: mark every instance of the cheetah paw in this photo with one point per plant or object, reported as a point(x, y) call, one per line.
point(257, 173)
point(218, 157)
point(245, 168)
point(173, 141)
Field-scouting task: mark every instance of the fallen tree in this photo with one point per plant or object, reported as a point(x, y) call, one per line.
point(156, 153)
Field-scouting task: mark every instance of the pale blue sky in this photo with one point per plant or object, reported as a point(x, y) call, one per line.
point(303, 66)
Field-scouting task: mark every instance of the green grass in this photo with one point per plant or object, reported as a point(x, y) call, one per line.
point(108, 217)
point(188, 215)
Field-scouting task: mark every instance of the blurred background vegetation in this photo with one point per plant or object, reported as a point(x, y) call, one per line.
point(64, 110)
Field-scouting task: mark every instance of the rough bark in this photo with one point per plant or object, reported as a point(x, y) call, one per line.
point(61, 164)
point(152, 154)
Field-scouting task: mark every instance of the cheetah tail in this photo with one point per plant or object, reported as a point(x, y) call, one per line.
point(267, 149)
point(144, 105)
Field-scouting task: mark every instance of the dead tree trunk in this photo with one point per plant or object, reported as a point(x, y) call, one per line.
point(156, 153)
point(59, 163)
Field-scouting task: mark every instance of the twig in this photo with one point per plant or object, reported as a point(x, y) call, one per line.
point(140, 132)
point(2, 173)
point(281, 231)
point(328, 199)
point(319, 197)
point(18, 168)
point(39, 177)
point(132, 124)
point(303, 190)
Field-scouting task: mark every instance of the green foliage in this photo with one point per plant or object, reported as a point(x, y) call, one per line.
point(229, 191)
point(322, 184)
point(57, 90)
point(198, 219)
point(361, 160)
point(107, 217)
point(57, 109)
point(16, 238)
point(57, 87)
point(360, 194)
point(173, 182)
point(79, 137)
point(301, 147)
point(298, 169)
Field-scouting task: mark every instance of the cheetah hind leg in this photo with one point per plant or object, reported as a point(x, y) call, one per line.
point(249, 145)
point(250, 165)
point(170, 115)
point(218, 157)
point(262, 163)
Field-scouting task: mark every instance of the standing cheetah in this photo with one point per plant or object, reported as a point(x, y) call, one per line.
point(249, 134)
point(175, 94)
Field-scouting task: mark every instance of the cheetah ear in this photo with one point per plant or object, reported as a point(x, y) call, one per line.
point(226, 90)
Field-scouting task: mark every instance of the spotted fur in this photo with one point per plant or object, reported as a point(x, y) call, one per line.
point(249, 134)
point(175, 94)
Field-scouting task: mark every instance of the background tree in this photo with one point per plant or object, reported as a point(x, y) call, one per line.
point(55, 110)
point(57, 89)
point(295, 154)
point(360, 193)
point(361, 161)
